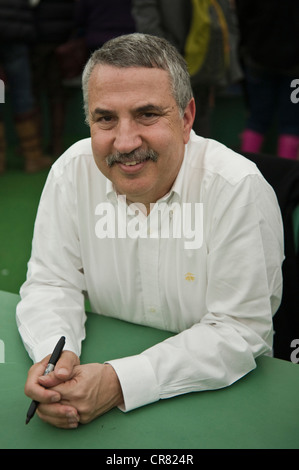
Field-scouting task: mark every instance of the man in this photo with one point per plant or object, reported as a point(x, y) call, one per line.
point(100, 229)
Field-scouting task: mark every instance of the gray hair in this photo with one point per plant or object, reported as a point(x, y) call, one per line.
point(142, 50)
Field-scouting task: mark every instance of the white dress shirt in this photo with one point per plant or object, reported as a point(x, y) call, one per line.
point(218, 294)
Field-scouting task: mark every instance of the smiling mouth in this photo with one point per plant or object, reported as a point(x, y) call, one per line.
point(133, 158)
point(134, 162)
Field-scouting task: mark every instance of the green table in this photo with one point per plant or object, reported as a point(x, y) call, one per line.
point(259, 411)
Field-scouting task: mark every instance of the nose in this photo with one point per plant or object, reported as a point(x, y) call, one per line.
point(127, 136)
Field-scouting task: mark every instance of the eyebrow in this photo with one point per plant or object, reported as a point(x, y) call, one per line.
point(140, 109)
point(150, 107)
point(101, 112)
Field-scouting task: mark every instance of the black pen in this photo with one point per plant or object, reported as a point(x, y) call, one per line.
point(51, 364)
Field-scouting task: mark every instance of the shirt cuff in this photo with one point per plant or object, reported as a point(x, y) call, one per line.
point(46, 347)
point(138, 381)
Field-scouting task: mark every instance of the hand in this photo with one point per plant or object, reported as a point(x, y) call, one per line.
point(93, 390)
point(37, 385)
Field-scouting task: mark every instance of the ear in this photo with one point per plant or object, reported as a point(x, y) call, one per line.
point(188, 119)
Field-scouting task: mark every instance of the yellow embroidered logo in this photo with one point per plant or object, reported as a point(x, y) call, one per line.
point(189, 277)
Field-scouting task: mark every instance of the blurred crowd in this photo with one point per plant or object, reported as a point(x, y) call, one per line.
point(45, 43)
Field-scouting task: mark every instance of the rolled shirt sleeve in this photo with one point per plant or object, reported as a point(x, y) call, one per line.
point(52, 302)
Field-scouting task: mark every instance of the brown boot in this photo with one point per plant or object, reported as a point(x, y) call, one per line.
point(2, 148)
point(30, 141)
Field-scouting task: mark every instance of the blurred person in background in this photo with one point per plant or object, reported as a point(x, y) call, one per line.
point(54, 24)
point(270, 52)
point(17, 33)
point(103, 20)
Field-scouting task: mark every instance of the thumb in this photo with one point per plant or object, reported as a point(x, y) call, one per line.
point(65, 365)
point(63, 370)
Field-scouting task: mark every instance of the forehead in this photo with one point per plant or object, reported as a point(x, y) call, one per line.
point(107, 81)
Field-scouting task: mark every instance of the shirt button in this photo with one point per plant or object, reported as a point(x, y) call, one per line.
point(152, 310)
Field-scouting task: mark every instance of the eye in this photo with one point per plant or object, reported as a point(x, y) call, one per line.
point(106, 122)
point(149, 117)
point(104, 119)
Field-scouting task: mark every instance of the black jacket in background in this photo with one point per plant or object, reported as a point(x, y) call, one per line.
point(54, 20)
point(16, 21)
point(269, 31)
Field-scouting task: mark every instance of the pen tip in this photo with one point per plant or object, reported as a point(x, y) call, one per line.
point(27, 420)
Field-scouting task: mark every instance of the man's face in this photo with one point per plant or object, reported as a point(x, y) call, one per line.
point(132, 111)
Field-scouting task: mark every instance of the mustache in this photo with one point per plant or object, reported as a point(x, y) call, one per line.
point(138, 155)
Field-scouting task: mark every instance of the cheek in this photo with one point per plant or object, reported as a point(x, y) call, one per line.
point(99, 155)
point(166, 138)
point(100, 146)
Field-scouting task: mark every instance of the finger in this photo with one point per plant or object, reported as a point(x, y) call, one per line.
point(49, 380)
point(66, 389)
point(33, 388)
point(63, 370)
point(61, 416)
